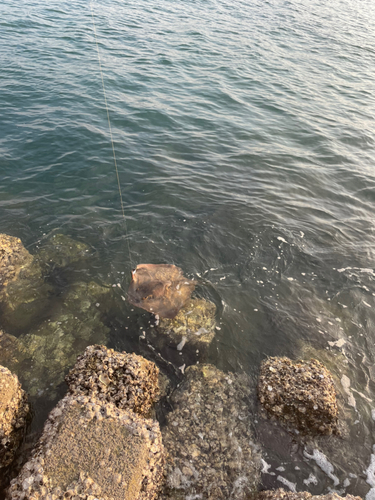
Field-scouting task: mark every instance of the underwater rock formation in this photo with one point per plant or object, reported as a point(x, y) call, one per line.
point(126, 380)
point(161, 289)
point(13, 414)
point(24, 294)
point(11, 351)
point(52, 348)
point(92, 450)
point(193, 328)
point(208, 438)
point(299, 394)
point(42, 356)
point(281, 494)
point(61, 250)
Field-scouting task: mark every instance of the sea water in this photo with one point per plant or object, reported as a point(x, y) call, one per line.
point(244, 138)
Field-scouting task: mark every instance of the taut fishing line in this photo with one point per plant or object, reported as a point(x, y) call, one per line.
point(110, 133)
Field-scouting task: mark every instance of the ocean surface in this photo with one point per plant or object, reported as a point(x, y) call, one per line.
point(244, 133)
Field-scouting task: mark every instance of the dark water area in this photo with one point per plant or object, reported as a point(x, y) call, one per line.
point(244, 137)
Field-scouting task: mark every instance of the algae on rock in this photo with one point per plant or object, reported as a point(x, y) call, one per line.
point(61, 250)
point(90, 449)
point(52, 348)
point(194, 326)
point(208, 438)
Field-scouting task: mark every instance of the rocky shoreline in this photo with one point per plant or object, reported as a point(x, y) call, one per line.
point(102, 440)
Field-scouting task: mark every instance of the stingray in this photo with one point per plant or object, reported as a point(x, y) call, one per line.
point(161, 289)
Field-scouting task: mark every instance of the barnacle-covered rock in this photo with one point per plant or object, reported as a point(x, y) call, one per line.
point(126, 380)
point(208, 438)
point(13, 258)
point(300, 394)
point(91, 449)
point(24, 295)
point(281, 494)
point(61, 250)
point(194, 325)
point(13, 413)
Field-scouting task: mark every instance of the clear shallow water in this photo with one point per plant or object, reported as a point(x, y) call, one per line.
point(244, 135)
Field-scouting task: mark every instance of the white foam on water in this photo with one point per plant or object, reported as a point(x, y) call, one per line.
point(265, 468)
point(322, 461)
point(345, 382)
point(281, 468)
point(338, 343)
point(311, 480)
point(373, 414)
point(346, 482)
point(281, 239)
point(370, 479)
point(289, 484)
point(181, 344)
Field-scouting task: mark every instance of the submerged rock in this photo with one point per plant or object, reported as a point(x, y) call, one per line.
point(208, 438)
point(126, 380)
point(52, 348)
point(24, 295)
point(93, 450)
point(281, 494)
point(42, 356)
point(11, 351)
point(13, 414)
point(193, 326)
point(61, 250)
point(299, 394)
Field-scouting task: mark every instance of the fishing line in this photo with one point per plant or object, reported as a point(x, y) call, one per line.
point(110, 133)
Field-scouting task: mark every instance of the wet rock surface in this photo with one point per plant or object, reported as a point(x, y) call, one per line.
point(208, 438)
point(24, 294)
point(93, 450)
point(299, 394)
point(43, 355)
point(281, 494)
point(14, 410)
point(13, 258)
point(60, 250)
point(193, 327)
point(126, 380)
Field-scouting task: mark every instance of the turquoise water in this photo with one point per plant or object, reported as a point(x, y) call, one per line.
point(244, 136)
